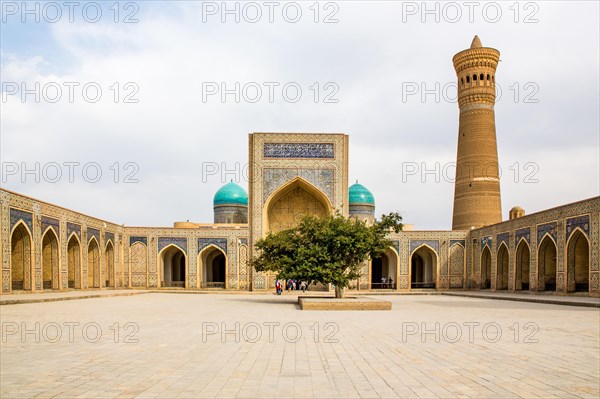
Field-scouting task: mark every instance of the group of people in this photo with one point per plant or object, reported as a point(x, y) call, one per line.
point(389, 283)
point(290, 285)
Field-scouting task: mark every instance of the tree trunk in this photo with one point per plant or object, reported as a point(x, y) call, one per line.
point(339, 292)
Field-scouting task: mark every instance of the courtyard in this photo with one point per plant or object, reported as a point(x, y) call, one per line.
point(158, 345)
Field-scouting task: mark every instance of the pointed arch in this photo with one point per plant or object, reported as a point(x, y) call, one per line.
point(73, 261)
point(109, 256)
point(288, 203)
point(93, 264)
point(213, 264)
point(486, 267)
point(522, 265)
point(547, 254)
point(578, 261)
point(21, 257)
point(384, 270)
point(173, 266)
point(50, 260)
point(423, 267)
point(502, 263)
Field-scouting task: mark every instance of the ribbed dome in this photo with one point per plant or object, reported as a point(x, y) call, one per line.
point(359, 194)
point(231, 194)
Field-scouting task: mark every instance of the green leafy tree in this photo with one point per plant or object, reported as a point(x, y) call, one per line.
point(325, 250)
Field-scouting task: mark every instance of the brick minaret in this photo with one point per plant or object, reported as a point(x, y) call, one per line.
point(477, 185)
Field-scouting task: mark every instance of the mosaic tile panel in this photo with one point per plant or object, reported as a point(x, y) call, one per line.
point(50, 222)
point(583, 222)
point(522, 233)
point(93, 233)
point(298, 150)
point(73, 228)
point(218, 242)
point(181, 242)
point(274, 178)
point(548, 228)
point(134, 239)
point(109, 236)
point(17, 214)
point(486, 241)
point(461, 242)
point(502, 238)
point(435, 244)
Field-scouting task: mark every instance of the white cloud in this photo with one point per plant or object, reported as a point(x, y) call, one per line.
point(369, 54)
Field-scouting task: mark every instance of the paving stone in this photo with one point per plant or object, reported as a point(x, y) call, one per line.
point(173, 346)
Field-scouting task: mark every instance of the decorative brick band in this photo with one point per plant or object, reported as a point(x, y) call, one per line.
point(299, 150)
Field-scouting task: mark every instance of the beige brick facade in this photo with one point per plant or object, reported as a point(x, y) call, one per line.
point(48, 247)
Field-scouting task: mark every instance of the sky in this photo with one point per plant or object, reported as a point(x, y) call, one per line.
point(137, 112)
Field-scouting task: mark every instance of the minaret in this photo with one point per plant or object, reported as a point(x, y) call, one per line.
point(477, 184)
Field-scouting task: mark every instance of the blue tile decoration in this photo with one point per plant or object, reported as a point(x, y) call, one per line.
point(73, 228)
point(47, 222)
point(181, 242)
point(462, 242)
point(133, 240)
point(522, 233)
point(17, 214)
point(361, 210)
point(583, 222)
point(502, 238)
point(93, 233)
point(244, 241)
point(486, 241)
point(548, 228)
point(299, 150)
point(435, 244)
point(323, 179)
point(109, 236)
point(218, 242)
point(396, 246)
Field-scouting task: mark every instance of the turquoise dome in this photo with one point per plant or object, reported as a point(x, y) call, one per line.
point(359, 194)
point(231, 194)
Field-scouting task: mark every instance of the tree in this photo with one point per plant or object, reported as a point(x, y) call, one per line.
point(325, 250)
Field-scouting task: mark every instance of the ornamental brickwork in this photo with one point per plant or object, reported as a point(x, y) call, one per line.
point(477, 184)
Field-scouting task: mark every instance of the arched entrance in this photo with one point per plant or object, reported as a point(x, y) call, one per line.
point(50, 260)
point(20, 258)
point(522, 266)
point(173, 267)
point(578, 262)
point(423, 268)
point(502, 268)
point(213, 266)
point(285, 207)
point(547, 264)
point(73, 262)
point(383, 268)
point(109, 255)
point(93, 264)
point(486, 268)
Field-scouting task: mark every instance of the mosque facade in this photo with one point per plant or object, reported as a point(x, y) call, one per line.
point(46, 247)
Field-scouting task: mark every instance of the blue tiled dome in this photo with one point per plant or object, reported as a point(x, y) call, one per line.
point(231, 194)
point(359, 194)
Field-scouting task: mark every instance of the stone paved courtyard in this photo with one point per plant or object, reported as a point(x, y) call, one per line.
point(173, 345)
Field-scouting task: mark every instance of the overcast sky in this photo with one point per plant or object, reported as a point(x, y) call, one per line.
point(162, 135)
